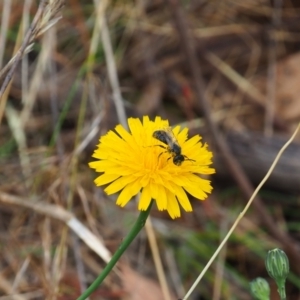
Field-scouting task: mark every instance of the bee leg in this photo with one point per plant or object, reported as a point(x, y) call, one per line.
point(160, 154)
point(156, 146)
point(188, 158)
point(161, 146)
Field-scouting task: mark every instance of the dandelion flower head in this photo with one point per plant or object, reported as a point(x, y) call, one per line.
point(136, 162)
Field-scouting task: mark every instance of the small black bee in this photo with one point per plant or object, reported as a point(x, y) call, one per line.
point(167, 137)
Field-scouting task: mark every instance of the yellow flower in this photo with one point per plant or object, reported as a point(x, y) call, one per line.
point(133, 163)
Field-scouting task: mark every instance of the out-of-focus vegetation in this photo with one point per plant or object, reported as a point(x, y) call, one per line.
point(104, 58)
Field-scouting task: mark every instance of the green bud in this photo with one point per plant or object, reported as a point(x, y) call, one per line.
point(277, 265)
point(260, 289)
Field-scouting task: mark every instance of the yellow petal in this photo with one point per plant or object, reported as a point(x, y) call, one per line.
point(102, 165)
point(199, 192)
point(127, 193)
point(110, 140)
point(144, 180)
point(146, 121)
point(105, 179)
point(180, 179)
point(173, 206)
point(153, 189)
point(161, 200)
point(182, 135)
point(136, 128)
point(182, 197)
point(145, 198)
point(118, 184)
point(192, 142)
point(126, 136)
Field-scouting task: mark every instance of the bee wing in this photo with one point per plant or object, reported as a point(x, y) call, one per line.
point(166, 135)
point(171, 135)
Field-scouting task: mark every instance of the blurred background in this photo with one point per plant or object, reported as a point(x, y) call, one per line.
point(229, 70)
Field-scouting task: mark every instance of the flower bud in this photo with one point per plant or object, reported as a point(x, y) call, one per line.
point(260, 289)
point(277, 265)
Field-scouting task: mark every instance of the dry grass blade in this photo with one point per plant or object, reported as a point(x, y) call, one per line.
point(4, 26)
point(20, 53)
point(30, 96)
point(51, 15)
point(6, 286)
point(25, 296)
point(16, 127)
point(111, 65)
point(240, 81)
point(13, 60)
point(157, 259)
point(63, 215)
point(46, 16)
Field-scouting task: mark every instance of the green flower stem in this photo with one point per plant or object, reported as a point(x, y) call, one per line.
point(138, 225)
point(281, 292)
